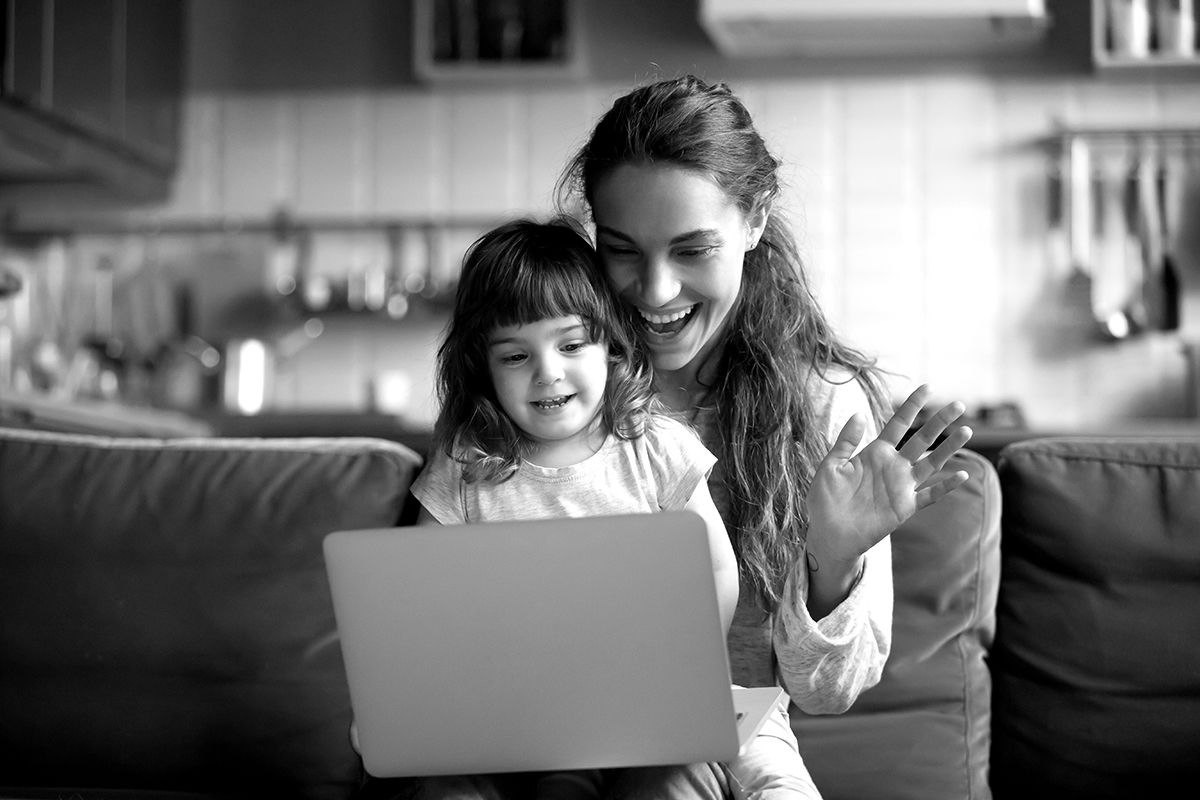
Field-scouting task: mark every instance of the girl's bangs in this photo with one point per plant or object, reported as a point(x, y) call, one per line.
point(547, 293)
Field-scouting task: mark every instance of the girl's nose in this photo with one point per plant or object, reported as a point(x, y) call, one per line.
point(549, 371)
point(659, 285)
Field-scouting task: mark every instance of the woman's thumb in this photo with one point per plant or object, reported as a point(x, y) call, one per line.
point(848, 439)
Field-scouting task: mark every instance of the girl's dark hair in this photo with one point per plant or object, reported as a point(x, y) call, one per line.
point(778, 339)
point(518, 273)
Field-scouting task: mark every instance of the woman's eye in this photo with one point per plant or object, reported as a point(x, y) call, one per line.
point(617, 251)
point(698, 252)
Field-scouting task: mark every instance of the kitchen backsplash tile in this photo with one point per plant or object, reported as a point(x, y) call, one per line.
point(919, 203)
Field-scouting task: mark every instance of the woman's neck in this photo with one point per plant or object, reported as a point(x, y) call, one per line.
point(686, 388)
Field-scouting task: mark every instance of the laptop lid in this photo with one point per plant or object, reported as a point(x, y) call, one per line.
point(540, 645)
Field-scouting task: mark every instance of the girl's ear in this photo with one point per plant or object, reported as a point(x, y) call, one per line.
point(756, 223)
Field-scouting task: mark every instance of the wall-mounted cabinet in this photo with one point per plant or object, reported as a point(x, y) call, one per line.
point(90, 95)
point(497, 40)
point(1144, 34)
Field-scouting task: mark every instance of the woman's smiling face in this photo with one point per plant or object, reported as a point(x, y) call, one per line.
point(673, 243)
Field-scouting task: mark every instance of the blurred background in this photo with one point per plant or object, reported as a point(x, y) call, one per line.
point(246, 216)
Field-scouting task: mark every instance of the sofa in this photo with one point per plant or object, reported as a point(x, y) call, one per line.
point(166, 628)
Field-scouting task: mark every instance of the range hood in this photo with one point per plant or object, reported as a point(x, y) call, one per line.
point(745, 28)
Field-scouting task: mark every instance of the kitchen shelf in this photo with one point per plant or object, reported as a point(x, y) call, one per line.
point(281, 224)
point(496, 41)
point(1148, 55)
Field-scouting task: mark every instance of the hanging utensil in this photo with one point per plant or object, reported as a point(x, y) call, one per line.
point(1176, 227)
point(1150, 232)
point(1110, 290)
point(1133, 242)
point(1075, 213)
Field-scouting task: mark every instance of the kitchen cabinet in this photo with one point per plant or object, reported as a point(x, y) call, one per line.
point(91, 95)
point(488, 41)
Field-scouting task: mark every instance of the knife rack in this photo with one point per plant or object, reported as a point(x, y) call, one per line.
point(1117, 198)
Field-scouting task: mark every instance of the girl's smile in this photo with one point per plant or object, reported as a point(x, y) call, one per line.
point(549, 377)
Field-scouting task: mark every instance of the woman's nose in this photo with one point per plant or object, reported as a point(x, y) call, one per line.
point(659, 285)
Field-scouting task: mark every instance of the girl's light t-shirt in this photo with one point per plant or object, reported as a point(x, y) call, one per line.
point(658, 471)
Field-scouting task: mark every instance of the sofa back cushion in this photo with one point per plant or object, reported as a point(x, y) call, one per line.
point(922, 732)
point(165, 620)
point(1097, 656)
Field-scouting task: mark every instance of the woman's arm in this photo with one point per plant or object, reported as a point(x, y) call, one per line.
point(858, 498)
point(724, 563)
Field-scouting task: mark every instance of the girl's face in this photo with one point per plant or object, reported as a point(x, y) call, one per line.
point(672, 244)
point(549, 377)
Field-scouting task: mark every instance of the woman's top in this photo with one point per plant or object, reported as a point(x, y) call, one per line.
point(823, 665)
point(658, 471)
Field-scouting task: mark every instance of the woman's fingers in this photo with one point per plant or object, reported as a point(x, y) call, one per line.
point(932, 463)
point(905, 415)
point(940, 488)
point(920, 441)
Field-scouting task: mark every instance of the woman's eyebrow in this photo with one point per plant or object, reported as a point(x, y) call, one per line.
point(699, 233)
point(612, 232)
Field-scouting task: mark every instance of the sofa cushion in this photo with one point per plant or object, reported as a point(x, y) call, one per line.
point(165, 620)
point(922, 732)
point(1097, 657)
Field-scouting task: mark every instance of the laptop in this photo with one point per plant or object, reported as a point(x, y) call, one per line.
point(539, 645)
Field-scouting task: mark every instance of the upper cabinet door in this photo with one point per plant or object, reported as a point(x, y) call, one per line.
point(91, 95)
point(153, 76)
point(86, 80)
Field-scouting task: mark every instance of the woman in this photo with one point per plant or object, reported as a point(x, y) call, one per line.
point(680, 187)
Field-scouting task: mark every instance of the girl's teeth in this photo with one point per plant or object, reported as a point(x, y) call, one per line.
point(555, 402)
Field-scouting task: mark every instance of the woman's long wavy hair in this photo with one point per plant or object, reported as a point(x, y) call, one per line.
point(519, 273)
point(777, 339)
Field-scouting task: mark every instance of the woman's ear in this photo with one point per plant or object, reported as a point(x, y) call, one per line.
point(756, 223)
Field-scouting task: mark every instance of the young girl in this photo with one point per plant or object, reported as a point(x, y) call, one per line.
point(548, 410)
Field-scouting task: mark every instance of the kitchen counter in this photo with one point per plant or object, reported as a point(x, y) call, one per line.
point(99, 417)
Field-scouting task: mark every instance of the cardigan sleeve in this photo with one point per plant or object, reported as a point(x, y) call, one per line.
point(825, 665)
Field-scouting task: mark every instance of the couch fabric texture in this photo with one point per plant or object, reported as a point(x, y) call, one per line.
point(166, 628)
point(165, 620)
point(1097, 660)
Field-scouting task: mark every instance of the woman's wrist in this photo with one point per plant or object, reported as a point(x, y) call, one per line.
point(830, 579)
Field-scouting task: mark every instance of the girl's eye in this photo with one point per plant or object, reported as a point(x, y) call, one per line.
point(574, 347)
point(698, 252)
point(512, 358)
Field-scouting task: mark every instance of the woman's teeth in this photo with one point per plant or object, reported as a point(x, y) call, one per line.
point(553, 402)
point(667, 323)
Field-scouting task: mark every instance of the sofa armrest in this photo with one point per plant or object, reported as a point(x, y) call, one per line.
point(1097, 662)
